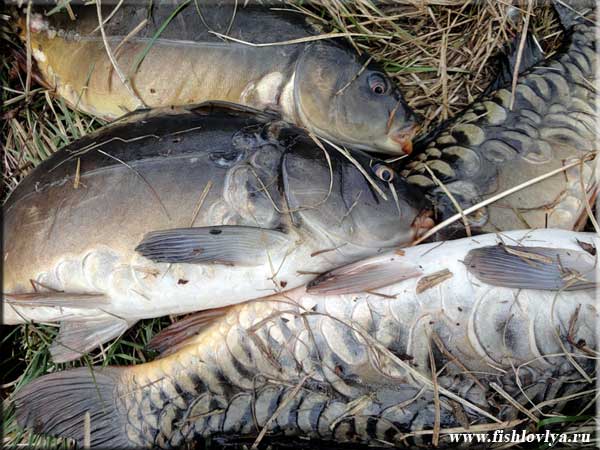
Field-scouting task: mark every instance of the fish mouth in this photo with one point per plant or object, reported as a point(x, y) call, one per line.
point(404, 137)
point(422, 223)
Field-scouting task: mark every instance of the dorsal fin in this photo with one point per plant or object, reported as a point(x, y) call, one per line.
point(233, 109)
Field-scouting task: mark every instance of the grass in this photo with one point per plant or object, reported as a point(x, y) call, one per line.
point(440, 53)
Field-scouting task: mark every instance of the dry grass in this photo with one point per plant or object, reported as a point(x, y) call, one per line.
point(440, 52)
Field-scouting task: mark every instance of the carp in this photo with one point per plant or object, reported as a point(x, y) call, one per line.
point(493, 147)
point(469, 332)
point(179, 56)
point(172, 211)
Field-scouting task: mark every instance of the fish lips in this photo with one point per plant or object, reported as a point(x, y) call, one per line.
point(403, 138)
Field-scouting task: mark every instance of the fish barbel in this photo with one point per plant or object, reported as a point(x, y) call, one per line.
point(169, 212)
point(320, 84)
point(491, 147)
point(513, 314)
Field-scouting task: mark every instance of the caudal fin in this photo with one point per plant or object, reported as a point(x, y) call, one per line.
point(56, 404)
point(571, 11)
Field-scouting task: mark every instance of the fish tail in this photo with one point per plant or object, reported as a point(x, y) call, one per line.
point(58, 404)
point(570, 11)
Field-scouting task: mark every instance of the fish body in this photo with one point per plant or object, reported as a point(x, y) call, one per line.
point(171, 212)
point(493, 147)
point(321, 85)
point(359, 367)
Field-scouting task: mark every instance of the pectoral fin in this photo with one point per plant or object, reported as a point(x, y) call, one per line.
point(58, 298)
point(179, 334)
point(230, 245)
point(79, 337)
point(364, 276)
point(533, 267)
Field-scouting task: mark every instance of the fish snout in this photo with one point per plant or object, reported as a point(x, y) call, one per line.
point(422, 223)
point(404, 136)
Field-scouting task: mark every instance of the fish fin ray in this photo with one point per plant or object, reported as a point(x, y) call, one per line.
point(507, 61)
point(56, 298)
point(76, 338)
point(56, 404)
point(182, 332)
point(212, 106)
point(539, 268)
point(570, 11)
point(229, 245)
point(364, 276)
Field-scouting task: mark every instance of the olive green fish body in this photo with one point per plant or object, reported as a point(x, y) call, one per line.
point(184, 59)
point(493, 147)
point(358, 367)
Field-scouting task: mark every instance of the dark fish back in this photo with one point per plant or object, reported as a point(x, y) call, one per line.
point(491, 147)
point(143, 135)
point(198, 21)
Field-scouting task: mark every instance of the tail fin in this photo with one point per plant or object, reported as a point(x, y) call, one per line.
point(57, 404)
point(570, 11)
point(507, 61)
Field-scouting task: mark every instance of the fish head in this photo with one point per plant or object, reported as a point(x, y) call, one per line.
point(350, 101)
point(352, 202)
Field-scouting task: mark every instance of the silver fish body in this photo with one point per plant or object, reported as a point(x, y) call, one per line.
point(171, 212)
point(493, 147)
point(366, 367)
point(321, 85)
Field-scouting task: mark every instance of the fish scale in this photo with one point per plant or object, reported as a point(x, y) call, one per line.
point(491, 147)
point(359, 367)
point(335, 342)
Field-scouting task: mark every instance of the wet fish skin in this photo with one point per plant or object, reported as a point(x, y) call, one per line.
point(279, 214)
point(344, 367)
point(322, 85)
point(491, 148)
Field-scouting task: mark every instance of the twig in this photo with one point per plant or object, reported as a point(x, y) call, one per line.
point(436, 398)
point(113, 61)
point(282, 405)
point(512, 401)
point(201, 201)
point(359, 166)
point(28, 38)
point(515, 74)
point(131, 34)
point(87, 430)
point(112, 13)
point(588, 208)
point(320, 37)
point(451, 197)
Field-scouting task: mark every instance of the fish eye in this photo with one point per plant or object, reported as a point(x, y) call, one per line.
point(384, 173)
point(377, 83)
